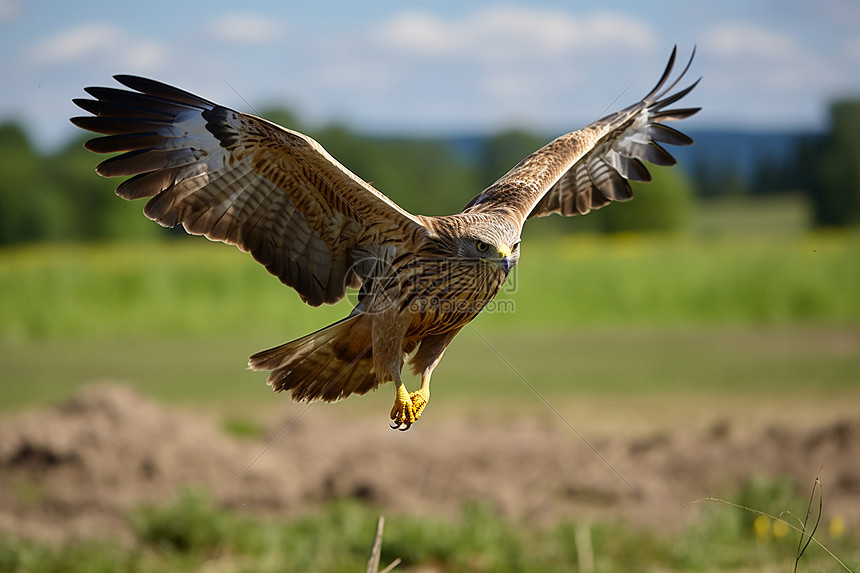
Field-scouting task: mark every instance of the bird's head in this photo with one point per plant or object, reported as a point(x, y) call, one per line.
point(491, 247)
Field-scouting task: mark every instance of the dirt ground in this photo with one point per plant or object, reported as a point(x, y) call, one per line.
point(76, 469)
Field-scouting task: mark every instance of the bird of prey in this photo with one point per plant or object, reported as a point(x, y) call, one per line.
point(321, 229)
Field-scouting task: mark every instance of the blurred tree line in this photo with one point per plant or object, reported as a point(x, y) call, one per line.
point(828, 167)
point(824, 167)
point(58, 197)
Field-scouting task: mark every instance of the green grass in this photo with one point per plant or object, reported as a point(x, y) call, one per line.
point(615, 315)
point(191, 288)
point(194, 288)
point(783, 216)
point(613, 361)
point(193, 534)
point(631, 280)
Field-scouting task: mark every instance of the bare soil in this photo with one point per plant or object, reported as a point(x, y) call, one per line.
point(75, 470)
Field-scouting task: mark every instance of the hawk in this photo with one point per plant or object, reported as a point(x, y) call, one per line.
point(321, 229)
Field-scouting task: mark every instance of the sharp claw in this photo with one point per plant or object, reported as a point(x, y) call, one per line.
point(406, 411)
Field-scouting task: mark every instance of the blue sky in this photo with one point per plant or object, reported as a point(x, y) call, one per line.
point(439, 67)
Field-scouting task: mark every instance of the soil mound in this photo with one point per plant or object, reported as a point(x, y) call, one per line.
point(76, 469)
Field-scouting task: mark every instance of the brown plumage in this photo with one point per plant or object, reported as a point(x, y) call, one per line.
point(320, 229)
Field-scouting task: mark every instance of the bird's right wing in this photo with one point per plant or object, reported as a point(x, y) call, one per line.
point(239, 179)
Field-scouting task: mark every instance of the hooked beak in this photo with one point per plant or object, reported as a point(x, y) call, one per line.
point(505, 264)
point(505, 260)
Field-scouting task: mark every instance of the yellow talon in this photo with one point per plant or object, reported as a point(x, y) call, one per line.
point(402, 413)
point(408, 407)
point(419, 401)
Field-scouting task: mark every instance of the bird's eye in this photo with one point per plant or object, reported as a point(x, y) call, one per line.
point(482, 247)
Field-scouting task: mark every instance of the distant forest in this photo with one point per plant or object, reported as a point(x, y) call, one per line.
point(58, 197)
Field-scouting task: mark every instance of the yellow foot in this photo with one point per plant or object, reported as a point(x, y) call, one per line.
point(407, 408)
point(402, 414)
point(419, 401)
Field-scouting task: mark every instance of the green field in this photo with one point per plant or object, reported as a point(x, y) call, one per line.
point(685, 328)
point(208, 291)
point(179, 319)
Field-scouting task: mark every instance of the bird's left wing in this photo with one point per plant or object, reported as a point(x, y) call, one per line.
point(240, 179)
point(589, 168)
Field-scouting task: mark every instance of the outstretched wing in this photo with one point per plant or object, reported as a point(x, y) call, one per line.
point(239, 179)
point(589, 168)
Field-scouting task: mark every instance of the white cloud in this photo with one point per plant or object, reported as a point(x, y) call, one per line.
point(753, 58)
point(505, 33)
point(420, 33)
point(748, 41)
point(245, 28)
point(500, 65)
point(98, 42)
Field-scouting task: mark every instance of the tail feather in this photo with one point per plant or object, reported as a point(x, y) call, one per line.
point(294, 350)
point(324, 365)
point(359, 382)
point(313, 381)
